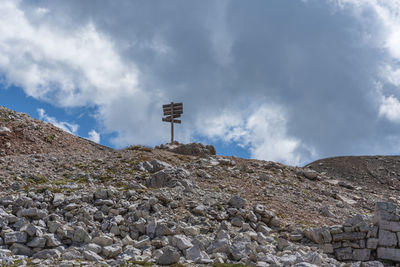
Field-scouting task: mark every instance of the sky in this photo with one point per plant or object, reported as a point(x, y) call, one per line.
point(282, 80)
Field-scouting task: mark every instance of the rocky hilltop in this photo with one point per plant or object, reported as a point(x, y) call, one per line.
point(65, 201)
point(381, 171)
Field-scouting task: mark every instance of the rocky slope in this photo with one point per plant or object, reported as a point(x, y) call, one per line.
point(21, 134)
point(380, 171)
point(67, 200)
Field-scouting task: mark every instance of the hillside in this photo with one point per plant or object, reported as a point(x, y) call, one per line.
point(65, 199)
point(381, 172)
point(21, 134)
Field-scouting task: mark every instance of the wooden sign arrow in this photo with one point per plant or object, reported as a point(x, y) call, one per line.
point(175, 105)
point(169, 120)
point(167, 113)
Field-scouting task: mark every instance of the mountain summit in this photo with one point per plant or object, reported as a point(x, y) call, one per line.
point(64, 200)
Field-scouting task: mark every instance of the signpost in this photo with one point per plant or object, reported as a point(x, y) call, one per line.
point(172, 111)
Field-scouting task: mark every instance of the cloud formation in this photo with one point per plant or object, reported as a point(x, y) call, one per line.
point(71, 128)
point(288, 80)
point(94, 136)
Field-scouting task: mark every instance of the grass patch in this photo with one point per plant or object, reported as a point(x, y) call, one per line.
point(110, 171)
point(38, 179)
point(50, 138)
point(16, 263)
point(82, 166)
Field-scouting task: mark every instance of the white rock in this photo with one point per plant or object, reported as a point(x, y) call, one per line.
point(93, 247)
point(182, 242)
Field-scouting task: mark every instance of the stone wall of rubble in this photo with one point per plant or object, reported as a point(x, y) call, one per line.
point(363, 238)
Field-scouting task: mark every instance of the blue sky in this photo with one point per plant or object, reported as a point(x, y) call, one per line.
point(283, 80)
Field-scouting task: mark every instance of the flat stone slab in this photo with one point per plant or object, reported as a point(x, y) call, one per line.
point(392, 254)
point(349, 236)
point(389, 225)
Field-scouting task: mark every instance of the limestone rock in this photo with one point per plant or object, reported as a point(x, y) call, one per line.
point(168, 177)
point(237, 202)
point(112, 251)
point(103, 240)
point(15, 237)
point(392, 254)
point(47, 254)
point(91, 256)
point(170, 256)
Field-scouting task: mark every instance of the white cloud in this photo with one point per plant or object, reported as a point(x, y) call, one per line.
point(388, 39)
point(94, 136)
point(390, 109)
point(73, 55)
point(74, 68)
point(66, 126)
point(263, 130)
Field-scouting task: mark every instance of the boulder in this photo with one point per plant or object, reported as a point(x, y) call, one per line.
point(37, 242)
point(193, 149)
point(47, 254)
point(103, 240)
point(112, 251)
point(15, 237)
point(237, 202)
point(91, 256)
point(182, 242)
point(81, 236)
point(168, 177)
point(319, 235)
point(170, 256)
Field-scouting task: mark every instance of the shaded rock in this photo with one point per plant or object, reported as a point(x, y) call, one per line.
point(103, 240)
point(170, 256)
point(91, 256)
point(167, 178)
point(81, 236)
point(237, 202)
point(15, 237)
point(310, 174)
point(47, 254)
point(37, 242)
point(112, 251)
point(319, 235)
point(193, 149)
point(20, 249)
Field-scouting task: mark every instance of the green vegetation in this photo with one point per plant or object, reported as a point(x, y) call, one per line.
point(140, 148)
point(40, 179)
point(50, 138)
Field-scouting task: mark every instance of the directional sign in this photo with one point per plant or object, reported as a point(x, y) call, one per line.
point(172, 111)
point(174, 116)
point(175, 105)
point(169, 120)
